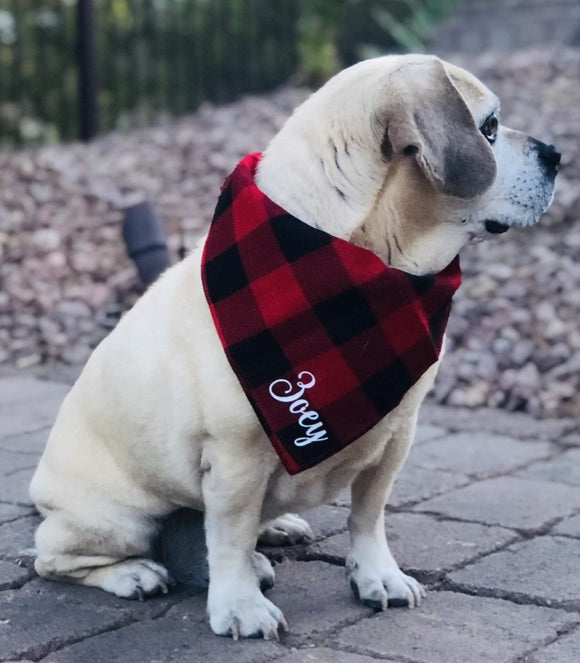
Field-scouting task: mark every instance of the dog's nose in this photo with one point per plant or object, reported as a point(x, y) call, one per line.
point(548, 154)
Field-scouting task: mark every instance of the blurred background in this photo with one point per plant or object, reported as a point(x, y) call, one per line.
point(105, 104)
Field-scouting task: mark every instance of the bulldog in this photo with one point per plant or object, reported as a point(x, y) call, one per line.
point(403, 160)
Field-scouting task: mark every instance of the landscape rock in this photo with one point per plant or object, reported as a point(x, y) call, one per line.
point(65, 277)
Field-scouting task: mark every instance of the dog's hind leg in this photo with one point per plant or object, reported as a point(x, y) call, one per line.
point(110, 553)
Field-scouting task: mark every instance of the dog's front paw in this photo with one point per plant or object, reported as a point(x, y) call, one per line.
point(247, 617)
point(385, 587)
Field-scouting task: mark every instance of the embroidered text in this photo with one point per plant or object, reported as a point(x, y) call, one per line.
point(284, 392)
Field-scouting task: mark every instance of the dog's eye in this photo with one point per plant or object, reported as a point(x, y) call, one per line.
point(489, 128)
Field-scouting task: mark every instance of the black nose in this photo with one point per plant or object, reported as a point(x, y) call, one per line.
point(495, 227)
point(548, 155)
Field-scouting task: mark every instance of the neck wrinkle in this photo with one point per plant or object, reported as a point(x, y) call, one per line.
point(312, 194)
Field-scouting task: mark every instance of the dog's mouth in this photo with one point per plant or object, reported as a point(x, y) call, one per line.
point(495, 227)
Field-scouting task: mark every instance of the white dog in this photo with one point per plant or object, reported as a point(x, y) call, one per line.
point(401, 155)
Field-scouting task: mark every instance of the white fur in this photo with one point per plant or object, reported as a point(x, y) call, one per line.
point(157, 419)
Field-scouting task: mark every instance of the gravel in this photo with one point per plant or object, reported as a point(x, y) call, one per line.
point(514, 334)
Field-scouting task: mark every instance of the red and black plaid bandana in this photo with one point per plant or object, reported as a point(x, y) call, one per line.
point(324, 338)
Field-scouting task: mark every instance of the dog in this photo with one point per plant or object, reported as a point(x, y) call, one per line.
point(402, 156)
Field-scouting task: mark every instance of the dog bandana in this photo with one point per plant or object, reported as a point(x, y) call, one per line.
point(324, 338)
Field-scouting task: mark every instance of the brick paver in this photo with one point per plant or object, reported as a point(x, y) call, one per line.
point(566, 648)
point(456, 628)
point(563, 469)
point(569, 527)
point(545, 569)
point(486, 512)
point(508, 501)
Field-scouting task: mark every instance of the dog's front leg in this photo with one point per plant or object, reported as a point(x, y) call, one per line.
point(233, 492)
point(374, 574)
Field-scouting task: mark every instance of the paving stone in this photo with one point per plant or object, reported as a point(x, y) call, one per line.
point(26, 419)
point(23, 389)
point(324, 655)
point(44, 615)
point(326, 520)
point(182, 635)
point(314, 597)
point(28, 404)
point(507, 501)
point(455, 628)
point(55, 371)
point(415, 484)
point(564, 650)
point(426, 432)
point(544, 568)
point(12, 575)
point(14, 487)
point(478, 453)
point(18, 536)
point(513, 424)
point(427, 545)
point(334, 548)
point(569, 527)
point(26, 443)
point(563, 469)
point(12, 462)
point(9, 512)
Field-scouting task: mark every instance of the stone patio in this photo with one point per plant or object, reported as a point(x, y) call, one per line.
point(486, 513)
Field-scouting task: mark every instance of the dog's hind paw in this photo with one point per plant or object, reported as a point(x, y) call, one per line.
point(134, 579)
point(285, 530)
point(263, 570)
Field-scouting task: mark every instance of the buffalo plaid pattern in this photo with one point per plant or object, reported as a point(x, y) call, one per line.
point(324, 338)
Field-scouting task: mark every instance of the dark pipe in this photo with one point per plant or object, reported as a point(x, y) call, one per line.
point(145, 241)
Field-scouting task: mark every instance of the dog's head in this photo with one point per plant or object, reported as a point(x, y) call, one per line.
point(406, 156)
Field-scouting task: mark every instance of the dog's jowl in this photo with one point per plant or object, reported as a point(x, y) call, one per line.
point(286, 358)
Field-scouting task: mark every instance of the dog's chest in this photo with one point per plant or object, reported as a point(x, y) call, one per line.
point(325, 481)
point(390, 438)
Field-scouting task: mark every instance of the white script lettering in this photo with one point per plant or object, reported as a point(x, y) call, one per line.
point(284, 392)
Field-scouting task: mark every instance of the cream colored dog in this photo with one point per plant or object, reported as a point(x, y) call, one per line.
point(402, 155)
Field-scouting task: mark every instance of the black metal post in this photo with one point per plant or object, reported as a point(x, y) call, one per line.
point(87, 62)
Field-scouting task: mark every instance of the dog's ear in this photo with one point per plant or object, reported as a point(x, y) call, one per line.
point(429, 120)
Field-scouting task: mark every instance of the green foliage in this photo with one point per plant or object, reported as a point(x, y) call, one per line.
point(318, 28)
point(336, 33)
point(167, 56)
point(408, 22)
point(37, 72)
